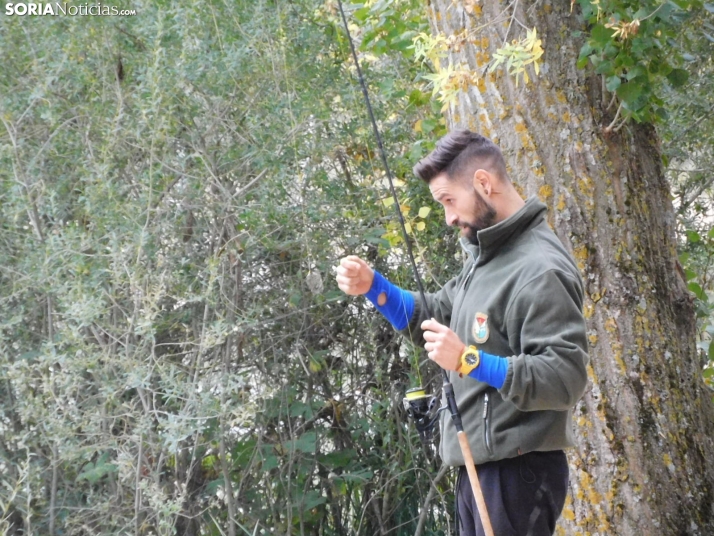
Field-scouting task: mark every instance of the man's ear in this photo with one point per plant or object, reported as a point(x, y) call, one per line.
point(483, 181)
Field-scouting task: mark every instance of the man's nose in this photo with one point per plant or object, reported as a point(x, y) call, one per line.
point(450, 218)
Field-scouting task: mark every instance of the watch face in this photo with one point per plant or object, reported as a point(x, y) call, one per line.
point(470, 359)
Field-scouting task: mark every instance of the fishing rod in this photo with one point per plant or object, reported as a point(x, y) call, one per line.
point(416, 399)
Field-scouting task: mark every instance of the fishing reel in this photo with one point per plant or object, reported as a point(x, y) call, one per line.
point(422, 409)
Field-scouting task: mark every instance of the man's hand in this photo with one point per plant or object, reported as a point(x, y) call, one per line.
point(354, 276)
point(442, 344)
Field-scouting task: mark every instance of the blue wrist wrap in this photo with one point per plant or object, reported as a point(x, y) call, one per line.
point(398, 308)
point(491, 370)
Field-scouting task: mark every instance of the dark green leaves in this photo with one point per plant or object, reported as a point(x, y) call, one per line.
point(637, 47)
point(678, 77)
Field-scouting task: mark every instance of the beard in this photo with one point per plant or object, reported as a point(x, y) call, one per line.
point(486, 217)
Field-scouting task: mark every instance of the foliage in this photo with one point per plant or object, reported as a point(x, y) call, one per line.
point(687, 139)
point(630, 45)
point(175, 189)
point(519, 54)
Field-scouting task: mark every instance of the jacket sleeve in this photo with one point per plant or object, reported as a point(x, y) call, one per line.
point(440, 304)
point(546, 330)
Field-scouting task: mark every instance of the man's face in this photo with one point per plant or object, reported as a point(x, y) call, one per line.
point(463, 206)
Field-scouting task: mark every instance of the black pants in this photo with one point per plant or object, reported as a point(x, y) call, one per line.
point(524, 495)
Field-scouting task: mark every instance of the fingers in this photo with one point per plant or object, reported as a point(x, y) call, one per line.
point(442, 345)
point(352, 275)
point(432, 325)
point(346, 283)
point(350, 266)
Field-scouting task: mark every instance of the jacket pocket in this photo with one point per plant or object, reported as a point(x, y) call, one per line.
point(487, 425)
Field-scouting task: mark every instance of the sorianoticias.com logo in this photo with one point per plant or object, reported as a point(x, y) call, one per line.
point(64, 9)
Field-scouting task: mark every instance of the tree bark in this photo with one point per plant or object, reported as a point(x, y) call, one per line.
point(644, 428)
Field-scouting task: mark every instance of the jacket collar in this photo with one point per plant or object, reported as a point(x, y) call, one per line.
point(492, 238)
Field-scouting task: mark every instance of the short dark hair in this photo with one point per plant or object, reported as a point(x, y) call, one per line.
point(458, 153)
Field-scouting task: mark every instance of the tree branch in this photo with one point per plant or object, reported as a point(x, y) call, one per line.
point(430, 496)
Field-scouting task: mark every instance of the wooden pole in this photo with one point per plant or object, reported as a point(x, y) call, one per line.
point(475, 484)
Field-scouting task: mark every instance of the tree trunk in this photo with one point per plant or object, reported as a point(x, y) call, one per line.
point(644, 428)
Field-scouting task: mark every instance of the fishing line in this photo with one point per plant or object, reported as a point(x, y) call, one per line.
point(385, 163)
point(416, 399)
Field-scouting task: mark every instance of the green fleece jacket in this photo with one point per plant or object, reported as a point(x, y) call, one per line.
point(519, 296)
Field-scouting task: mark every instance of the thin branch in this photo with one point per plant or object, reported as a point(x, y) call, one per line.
point(429, 497)
point(53, 489)
point(510, 23)
point(137, 488)
point(694, 195)
point(655, 11)
point(611, 126)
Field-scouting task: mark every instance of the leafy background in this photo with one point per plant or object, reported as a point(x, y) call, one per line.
point(175, 188)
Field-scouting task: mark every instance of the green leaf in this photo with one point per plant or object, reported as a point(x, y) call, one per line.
point(629, 91)
point(306, 443)
point(693, 237)
point(678, 77)
point(428, 125)
point(613, 83)
point(300, 409)
point(604, 67)
point(418, 98)
point(636, 71)
point(585, 51)
point(29, 355)
point(310, 500)
point(93, 473)
point(600, 35)
point(338, 459)
point(361, 14)
point(697, 290)
point(416, 152)
point(212, 487)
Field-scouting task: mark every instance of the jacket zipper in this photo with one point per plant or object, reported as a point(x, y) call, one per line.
point(487, 424)
point(462, 287)
point(468, 276)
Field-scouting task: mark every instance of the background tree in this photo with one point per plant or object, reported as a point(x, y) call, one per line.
point(175, 188)
point(581, 140)
point(687, 139)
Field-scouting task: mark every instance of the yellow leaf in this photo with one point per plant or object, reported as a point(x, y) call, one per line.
point(388, 201)
point(421, 226)
point(424, 212)
point(408, 227)
point(417, 126)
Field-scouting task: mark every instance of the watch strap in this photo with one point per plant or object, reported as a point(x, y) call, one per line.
point(464, 367)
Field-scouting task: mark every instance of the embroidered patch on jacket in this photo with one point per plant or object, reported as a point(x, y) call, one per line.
point(480, 328)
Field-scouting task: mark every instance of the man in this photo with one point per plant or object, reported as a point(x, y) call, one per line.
point(510, 331)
